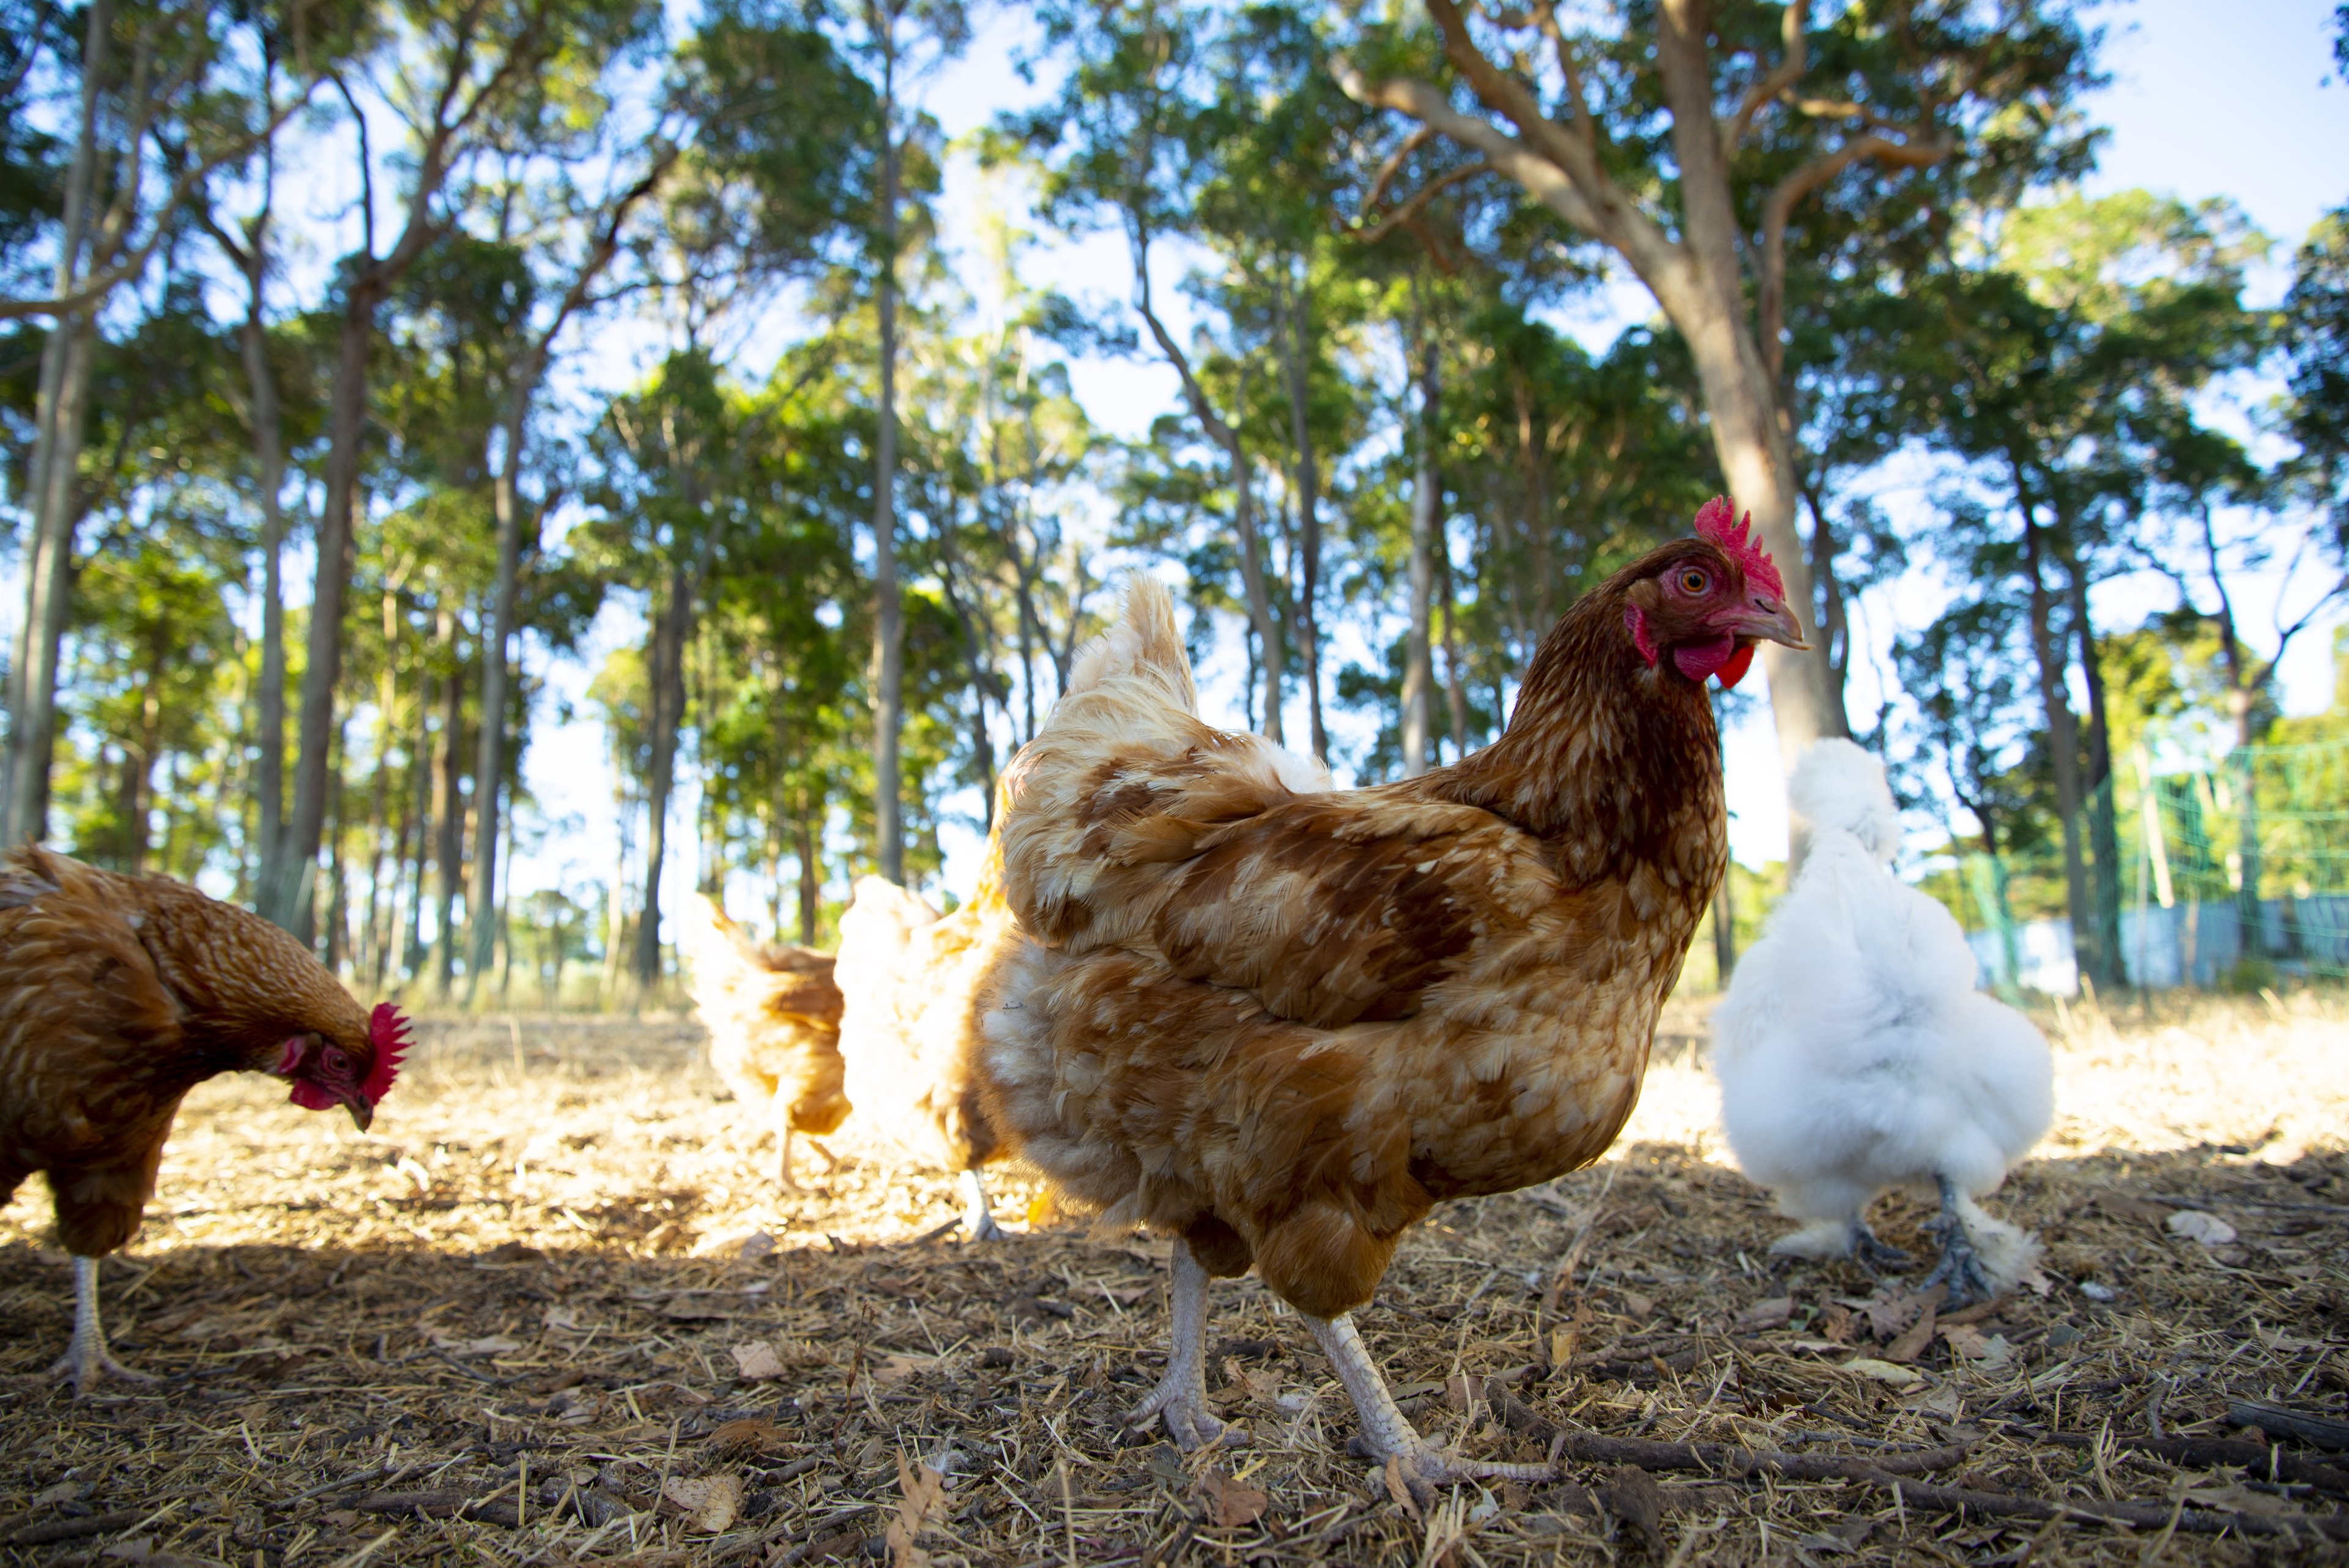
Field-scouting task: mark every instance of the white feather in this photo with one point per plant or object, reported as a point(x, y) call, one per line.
point(1853, 1050)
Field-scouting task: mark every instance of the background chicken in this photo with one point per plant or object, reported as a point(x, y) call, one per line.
point(1281, 1024)
point(917, 985)
point(773, 1016)
point(118, 995)
point(1855, 1054)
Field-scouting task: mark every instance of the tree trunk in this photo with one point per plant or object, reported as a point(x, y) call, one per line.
point(2063, 727)
point(1426, 518)
point(616, 960)
point(269, 456)
point(490, 772)
point(1697, 280)
point(811, 885)
point(888, 610)
point(288, 891)
point(59, 500)
point(61, 412)
point(666, 667)
point(1834, 625)
point(369, 957)
point(1294, 356)
point(416, 849)
point(448, 808)
point(1252, 575)
point(1456, 685)
point(337, 912)
point(2103, 829)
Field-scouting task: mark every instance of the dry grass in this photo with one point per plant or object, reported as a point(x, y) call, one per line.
point(531, 1283)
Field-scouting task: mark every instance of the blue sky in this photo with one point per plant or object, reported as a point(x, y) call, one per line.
point(2225, 101)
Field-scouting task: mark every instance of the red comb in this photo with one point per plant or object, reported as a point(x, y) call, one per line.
point(387, 1033)
point(1717, 522)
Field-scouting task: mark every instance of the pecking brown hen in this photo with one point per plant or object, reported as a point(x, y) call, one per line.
point(916, 986)
point(773, 1015)
point(1280, 1025)
point(118, 995)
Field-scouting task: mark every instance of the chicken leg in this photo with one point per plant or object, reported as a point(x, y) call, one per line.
point(87, 1357)
point(978, 1216)
point(1181, 1397)
point(1385, 1430)
point(1960, 1269)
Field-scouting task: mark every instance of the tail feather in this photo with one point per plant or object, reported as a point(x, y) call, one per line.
point(1146, 642)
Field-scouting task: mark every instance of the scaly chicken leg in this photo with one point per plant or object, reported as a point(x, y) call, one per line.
point(1961, 1268)
point(1385, 1428)
point(87, 1357)
point(1181, 1397)
point(978, 1216)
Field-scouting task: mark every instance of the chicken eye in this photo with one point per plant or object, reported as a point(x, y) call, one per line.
point(1694, 580)
point(337, 1062)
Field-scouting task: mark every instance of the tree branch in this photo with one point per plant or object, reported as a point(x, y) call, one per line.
point(100, 283)
point(1792, 62)
point(1416, 203)
point(1771, 307)
point(1392, 167)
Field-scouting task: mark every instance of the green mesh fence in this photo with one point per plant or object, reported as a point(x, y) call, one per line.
point(2229, 874)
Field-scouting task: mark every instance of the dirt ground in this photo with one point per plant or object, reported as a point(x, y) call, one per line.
point(553, 1311)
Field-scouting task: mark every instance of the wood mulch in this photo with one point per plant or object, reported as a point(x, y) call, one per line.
point(552, 1312)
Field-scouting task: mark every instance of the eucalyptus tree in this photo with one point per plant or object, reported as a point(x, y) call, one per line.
point(1683, 137)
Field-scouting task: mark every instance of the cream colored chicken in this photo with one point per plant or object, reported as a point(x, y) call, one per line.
point(915, 985)
point(773, 1016)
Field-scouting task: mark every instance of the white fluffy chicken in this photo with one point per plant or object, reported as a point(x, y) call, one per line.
point(1856, 1055)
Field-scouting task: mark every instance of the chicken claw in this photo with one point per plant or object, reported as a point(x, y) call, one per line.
point(87, 1358)
point(1388, 1434)
point(1181, 1397)
point(1873, 1252)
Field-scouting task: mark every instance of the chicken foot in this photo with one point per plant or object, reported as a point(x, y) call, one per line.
point(87, 1357)
point(1386, 1431)
point(978, 1214)
point(1181, 1397)
point(1960, 1269)
point(1872, 1251)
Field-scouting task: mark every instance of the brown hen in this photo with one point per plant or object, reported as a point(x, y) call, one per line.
point(118, 995)
point(773, 1015)
point(1280, 1025)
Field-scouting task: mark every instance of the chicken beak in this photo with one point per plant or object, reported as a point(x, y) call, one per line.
point(362, 1114)
point(1768, 618)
